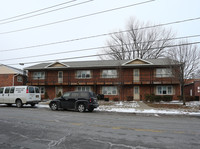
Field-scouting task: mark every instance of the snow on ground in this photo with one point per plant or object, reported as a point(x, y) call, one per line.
point(134, 107)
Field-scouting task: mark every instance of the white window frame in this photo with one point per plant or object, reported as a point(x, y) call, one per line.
point(164, 90)
point(163, 72)
point(109, 90)
point(83, 74)
point(109, 73)
point(39, 75)
point(83, 88)
point(19, 79)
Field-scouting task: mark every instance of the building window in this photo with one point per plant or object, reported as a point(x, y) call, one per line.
point(60, 76)
point(109, 90)
point(164, 90)
point(38, 75)
point(83, 74)
point(19, 78)
point(163, 72)
point(42, 90)
point(83, 88)
point(198, 89)
point(109, 73)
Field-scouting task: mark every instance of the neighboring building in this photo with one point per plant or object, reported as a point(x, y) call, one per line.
point(192, 89)
point(10, 76)
point(121, 79)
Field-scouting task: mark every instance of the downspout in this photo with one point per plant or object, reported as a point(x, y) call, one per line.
point(14, 79)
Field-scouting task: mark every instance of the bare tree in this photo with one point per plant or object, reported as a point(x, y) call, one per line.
point(188, 57)
point(138, 41)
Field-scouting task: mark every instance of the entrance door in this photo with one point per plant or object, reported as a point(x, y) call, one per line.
point(59, 89)
point(136, 75)
point(60, 76)
point(136, 92)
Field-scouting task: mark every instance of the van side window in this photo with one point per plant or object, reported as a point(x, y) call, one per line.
point(12, 89)
point(37, 90)
point(30, 89)
point(7, 90)
point(1, 90)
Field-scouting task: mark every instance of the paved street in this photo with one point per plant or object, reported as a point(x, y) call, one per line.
point(41, 128)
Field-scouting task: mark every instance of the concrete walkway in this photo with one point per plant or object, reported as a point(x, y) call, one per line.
point(143, 106)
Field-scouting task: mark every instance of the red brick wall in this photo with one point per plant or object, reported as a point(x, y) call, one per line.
point(7, 80)
point(69, 76)
point(197, 91)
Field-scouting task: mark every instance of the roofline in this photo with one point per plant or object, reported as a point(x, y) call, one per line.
point(138, 59)
point(55, 63)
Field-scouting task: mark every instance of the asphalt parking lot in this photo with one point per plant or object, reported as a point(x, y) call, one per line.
point(41, 128)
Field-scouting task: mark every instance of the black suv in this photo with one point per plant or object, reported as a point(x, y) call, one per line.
point(77, 100)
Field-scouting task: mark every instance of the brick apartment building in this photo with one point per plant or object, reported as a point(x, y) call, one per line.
point(192, 89)
point(10, 76)
point(120, 79)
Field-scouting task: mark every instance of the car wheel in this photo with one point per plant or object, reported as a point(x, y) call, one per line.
point(54, 106)
point(81, 107)
point(19, 103)
point(33, 104)
point(90, 109)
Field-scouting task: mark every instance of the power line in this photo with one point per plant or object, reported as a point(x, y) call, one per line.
point(102, 54)
point(88, 49)
point(100, 35)
point(45, 12)
point(37, 10)
point(75, 18)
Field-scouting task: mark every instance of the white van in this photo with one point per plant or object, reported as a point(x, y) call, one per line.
point(20, 95)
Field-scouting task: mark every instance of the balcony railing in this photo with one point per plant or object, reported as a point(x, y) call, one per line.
point(99, 80)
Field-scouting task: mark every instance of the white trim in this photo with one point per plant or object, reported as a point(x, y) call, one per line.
point(138, 64)
point(55, 63)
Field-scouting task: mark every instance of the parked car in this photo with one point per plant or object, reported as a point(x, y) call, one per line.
point(20, 95)
point(76, 100)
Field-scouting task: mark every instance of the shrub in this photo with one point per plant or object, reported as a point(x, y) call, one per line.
point(149, 97)
point(116, 99)
point(59, 94)
point(167, 98)
point(129, 98)
point(106, 99)
point(46, 96)
point(157, 98)
point(100, 96)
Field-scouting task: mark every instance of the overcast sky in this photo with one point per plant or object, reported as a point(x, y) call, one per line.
point(156, 12)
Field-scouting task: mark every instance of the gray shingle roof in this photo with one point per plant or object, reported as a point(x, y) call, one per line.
point(102, 63)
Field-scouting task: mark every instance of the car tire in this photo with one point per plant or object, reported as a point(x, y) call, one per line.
point(54, 106)
point(33, 104)
point(19, 103)
point(90, 109)
point(81, 107)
